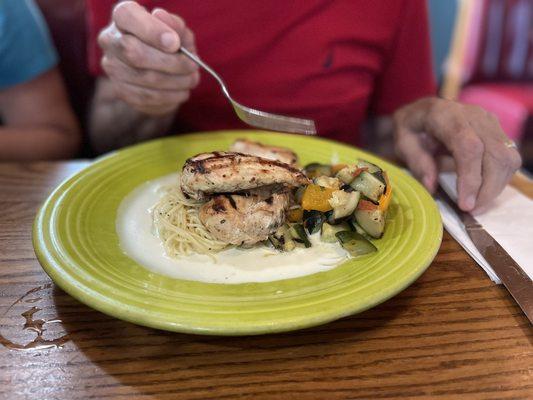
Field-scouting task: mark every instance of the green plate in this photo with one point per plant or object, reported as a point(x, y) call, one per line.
point(76, 242)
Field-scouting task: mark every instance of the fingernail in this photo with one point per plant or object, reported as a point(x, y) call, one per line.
point(169, 40)
point(470, 202)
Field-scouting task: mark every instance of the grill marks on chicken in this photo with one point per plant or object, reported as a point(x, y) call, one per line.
point(228, 172)
point(243, 219)
point(246, 195)
point(282, 154)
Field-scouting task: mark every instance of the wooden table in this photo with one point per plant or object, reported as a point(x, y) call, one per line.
point(452, 334)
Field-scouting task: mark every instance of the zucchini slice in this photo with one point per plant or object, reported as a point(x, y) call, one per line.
point(328, 232)
point(343, 203)
point(369, 185)
point(379, 175)
point(289, 245)
point(347, 188)
point(330, 219)
point(316, 169)
point(347, 174)
point(371, 219)
point(370, 167)
point(298, 235)
point(282, 239)
point(355, 244)
point(356, 227)
point(275, 242)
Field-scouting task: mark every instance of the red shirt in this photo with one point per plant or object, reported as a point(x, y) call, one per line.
point(333, 61)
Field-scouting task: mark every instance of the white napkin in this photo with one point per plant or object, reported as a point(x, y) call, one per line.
point(509, 221)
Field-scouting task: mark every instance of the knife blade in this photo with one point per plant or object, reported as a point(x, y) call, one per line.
point(511, 274)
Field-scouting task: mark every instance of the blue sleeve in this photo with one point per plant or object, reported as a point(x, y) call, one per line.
point(26, 49)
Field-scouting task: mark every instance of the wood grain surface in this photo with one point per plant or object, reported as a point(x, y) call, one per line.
point(452, 334)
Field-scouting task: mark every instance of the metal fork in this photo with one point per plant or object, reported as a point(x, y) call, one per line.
point(257, 118)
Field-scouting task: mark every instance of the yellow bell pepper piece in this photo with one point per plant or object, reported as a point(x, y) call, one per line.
point(385, 199)
point(296, 215)
point(317, 198)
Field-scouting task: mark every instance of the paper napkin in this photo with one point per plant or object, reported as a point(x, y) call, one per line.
point(509, 221)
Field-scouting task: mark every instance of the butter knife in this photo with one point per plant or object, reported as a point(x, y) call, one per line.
point(513, 277)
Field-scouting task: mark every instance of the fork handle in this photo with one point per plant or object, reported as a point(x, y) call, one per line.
point(194, 58)
point(203, 65)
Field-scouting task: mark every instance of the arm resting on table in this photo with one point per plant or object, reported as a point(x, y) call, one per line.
point(39, 122)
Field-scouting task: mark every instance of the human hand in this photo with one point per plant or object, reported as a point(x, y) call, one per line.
point(139, 56)
point(430, 130)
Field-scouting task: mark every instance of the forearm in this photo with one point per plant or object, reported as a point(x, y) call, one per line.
point(39, 143)
point(38, 120)
point(114, 124)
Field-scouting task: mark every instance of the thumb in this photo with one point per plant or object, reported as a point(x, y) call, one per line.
point(419, 160)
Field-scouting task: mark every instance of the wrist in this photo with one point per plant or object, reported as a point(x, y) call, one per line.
point(417, 115)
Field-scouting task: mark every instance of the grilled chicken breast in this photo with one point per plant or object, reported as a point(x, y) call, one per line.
point(260, 150)
point(244, 219)
point(227, 172)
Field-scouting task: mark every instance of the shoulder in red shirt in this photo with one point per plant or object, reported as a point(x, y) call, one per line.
point(333, 61)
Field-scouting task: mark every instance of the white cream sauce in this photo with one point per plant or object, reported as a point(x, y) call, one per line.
point(259, 264)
